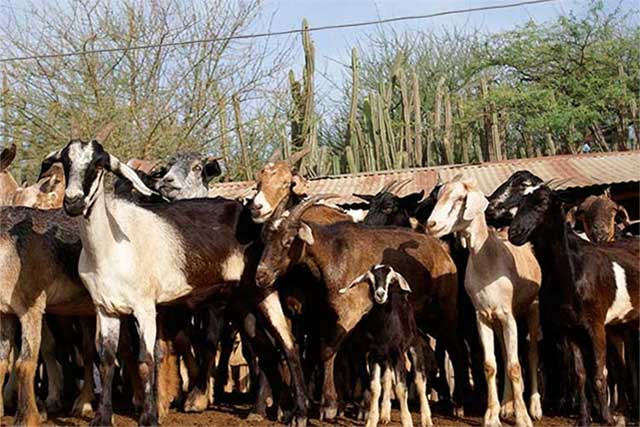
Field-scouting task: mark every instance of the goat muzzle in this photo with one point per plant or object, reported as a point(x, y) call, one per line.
point(264, 277)
point(74, 206)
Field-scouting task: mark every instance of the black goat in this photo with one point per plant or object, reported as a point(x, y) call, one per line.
point(391, 333)
point(585, 287)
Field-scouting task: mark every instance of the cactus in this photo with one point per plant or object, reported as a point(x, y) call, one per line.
point(224, 140)
point(417, 117)
point(447, 137)
point(303, 120)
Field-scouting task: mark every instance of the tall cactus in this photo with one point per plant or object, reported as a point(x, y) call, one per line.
point(417, 117)
point(303, 120)
point(246, 165)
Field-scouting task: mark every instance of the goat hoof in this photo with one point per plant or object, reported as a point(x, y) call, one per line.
point(255, 417)
point(507, 410)
point(491, 418)
point(53, 405)
point(101, 420)
point(299, 421)
point(524, 421)
point(535, 408)
point(148, 419)
point(458, 411)
point(31, 419)
point(81, 409)
point(328, 413)
point(196, 401)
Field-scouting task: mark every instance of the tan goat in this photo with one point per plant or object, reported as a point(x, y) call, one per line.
point(502, 281)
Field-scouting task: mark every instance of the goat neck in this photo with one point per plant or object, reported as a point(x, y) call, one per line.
point(99, 231)
point(8, 187)
point(476, 234)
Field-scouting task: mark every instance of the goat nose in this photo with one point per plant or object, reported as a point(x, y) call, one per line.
point(431, 223)
point(257, 206)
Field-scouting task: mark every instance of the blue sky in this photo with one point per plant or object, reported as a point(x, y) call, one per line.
point(333, 46)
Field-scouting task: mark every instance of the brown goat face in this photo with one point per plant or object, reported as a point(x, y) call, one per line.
point(275, 182)
point(532, 213)
point(284, 248)
point(599, 216)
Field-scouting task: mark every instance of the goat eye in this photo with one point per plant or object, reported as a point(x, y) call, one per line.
point(197, 168)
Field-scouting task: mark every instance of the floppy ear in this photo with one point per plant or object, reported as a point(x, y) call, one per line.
point(366, 277)
point(305, 234)
point(411, 200)
point(404, 285)
point(298, 185)
point(622, 217)
point(126, 173)
point(211, 169)
point(7, 156)
point(475, 205)
point(53, 157)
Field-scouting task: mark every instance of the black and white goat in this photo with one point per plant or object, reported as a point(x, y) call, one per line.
point(392, 333)
point(135, 257)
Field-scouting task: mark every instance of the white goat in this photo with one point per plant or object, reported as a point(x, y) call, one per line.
point(502, 281)
point(134, 258)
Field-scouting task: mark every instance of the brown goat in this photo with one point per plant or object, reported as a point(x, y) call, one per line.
point(46, 193)
point(338, 252)
point(600, 216)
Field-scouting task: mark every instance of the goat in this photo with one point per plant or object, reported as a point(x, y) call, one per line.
point(600, 217)
point(585, 287)
point(44, 194)
point(39, 250)
point(187, 176)
point(334, 252)
point(8, 185)
point(503, 201)
point(502, 281)
point(392, 333)
point(386, 209)
point(196, 252)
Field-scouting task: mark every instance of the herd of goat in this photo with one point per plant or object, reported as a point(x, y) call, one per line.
point(336, 304)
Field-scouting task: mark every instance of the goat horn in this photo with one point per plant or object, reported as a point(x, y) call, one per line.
point(295, 158)
point(401, 185)
point(297, 211)
point(104, 133)
point(385, 188)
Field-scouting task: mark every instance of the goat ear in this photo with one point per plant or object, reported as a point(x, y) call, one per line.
point(402, 282)
point(411, 200)
point(211, 169)
point(305, 234)
point(366, 277)
point(607, 192)
point(475, 205)
point(53, 157)
point(622, 216)
point(7, 156)
point(125, 172)
point(298, 185)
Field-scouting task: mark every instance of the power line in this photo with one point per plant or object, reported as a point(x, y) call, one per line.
point(277, 33)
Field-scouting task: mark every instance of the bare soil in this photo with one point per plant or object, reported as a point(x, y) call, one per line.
point(237, 416)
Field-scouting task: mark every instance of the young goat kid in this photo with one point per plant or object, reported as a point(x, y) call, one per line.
point(391, 332)
point(502, 281)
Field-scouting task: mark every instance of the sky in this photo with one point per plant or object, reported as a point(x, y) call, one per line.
point(333, 47)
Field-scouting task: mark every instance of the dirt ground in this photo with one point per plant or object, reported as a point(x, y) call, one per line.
point(237, 416)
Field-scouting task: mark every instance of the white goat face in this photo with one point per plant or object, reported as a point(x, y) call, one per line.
point(380, 278)
point(84, 164)
point(459, 202)
point(188, 176)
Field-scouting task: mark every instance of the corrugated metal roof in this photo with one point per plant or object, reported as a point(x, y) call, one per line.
point(582, 170)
